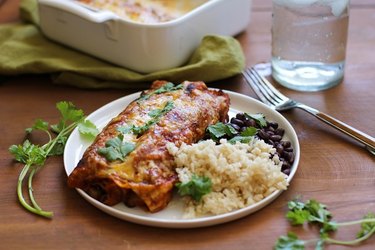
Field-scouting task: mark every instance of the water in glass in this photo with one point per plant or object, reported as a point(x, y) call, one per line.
point(309, 43)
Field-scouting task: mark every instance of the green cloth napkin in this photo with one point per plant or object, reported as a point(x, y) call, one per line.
point(24, 50)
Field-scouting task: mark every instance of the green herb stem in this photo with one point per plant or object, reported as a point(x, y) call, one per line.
point(358, 240)
point(355, 222)
point(49, 135)
point(22, 200)
point(66, 131)
point(31, 190)
point(351, 242)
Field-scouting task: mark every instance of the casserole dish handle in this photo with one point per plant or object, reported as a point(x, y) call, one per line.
point(96, 16)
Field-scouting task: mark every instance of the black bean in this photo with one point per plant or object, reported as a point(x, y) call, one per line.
point(273, 125)
point(235, 126)
point(271, 129)
point(280, 132)
point(263, 134)
point(286, 156)
point(286, 144)
point(291, 157)
point(286, 171)
point(247, 122)
point(272, 143)
point(289, 149)
point(279, 149)
point(241, 116)
point(237, 122)
point(269, 132)
point(275, 137)
point(250, 123)
point(285, 165)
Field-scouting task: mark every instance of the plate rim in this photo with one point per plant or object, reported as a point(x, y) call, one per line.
point(194, 222)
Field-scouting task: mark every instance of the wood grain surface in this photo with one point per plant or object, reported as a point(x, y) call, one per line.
point(333, 169)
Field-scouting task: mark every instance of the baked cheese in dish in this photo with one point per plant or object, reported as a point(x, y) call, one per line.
point(146, 11)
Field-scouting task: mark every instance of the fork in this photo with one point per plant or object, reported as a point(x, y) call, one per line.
point(279, 102)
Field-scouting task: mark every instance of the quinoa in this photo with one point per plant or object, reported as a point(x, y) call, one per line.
point(241, 174)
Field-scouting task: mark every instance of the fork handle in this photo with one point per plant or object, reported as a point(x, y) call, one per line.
point(366, 139)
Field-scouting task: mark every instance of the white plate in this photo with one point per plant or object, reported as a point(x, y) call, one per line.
point(171, 216)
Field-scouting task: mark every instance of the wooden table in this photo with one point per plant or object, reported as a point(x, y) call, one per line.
point(334, 169)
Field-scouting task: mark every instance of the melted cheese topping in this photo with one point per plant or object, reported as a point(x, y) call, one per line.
point(146, 11)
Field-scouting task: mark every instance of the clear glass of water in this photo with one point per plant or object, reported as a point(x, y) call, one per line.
point(309, 43)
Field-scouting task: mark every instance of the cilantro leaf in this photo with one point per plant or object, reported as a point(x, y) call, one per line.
point(28, 153)
point(245, 136)
point(367, 227)
point(318, 211)
point(116, 149)
point(259, 118)
point(297, 213)
point(69, 113)
point(168, 87)
point(88, 129)
point(38, 125)
point(125, 129)
point(137, 130)
point(289, 242)
point(298, 217)
point(249, 131)
point(196, 187)
point(218, 130)
point(242, 139)
point(156, 114)
point(313, 211)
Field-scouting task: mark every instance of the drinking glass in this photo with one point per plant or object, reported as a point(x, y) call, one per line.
point(309, 43)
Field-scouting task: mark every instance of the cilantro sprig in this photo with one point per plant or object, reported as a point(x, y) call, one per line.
point(33, 156)
point(155, 114)
point(168, 87)
point(245, 136)
point(259, 118)
point(315, 213)
point(116, 149)
point(220, 130)
point(196, 187)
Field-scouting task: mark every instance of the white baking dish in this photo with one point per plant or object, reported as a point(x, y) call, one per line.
point(140, 47)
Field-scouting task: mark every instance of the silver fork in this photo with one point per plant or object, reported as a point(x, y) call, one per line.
point(273, 98)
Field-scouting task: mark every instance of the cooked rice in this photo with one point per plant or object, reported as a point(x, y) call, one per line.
point(241, 174)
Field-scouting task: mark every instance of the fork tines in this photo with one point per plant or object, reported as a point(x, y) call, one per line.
point(263, 88)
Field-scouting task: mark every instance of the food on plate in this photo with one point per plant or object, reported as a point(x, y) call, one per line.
point(240, 174)
point(243, 126)
point(129, 161)
point(240, 163)
point(146, 11)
